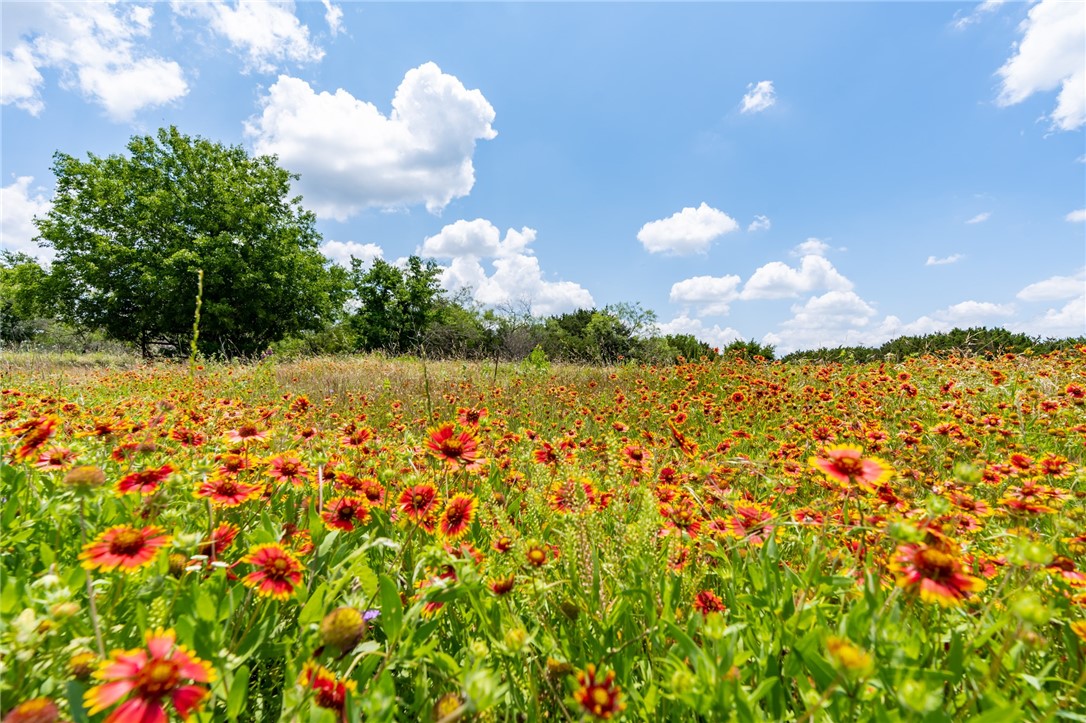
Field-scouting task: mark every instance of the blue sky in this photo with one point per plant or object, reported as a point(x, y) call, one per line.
point(802, 174)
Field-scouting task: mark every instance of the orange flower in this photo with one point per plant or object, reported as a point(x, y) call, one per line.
point(343, 513)
point(221, 538)
point(419, 501)
point(845, 464)
point(277, 572)
point(601, 698)
point(32, 435)
point(450, 447)
point(57, 458)
point(458, 514)
point(934, 573)
point(470, 417)
point(35, 710)
point(246, 433)
point(288, 469)
point(329, 690)
point(144, 482)
point(150, 676)
point(226, 492)
point(123, 547)
point(707, 602)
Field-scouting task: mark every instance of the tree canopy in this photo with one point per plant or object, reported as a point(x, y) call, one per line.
point(131, 232)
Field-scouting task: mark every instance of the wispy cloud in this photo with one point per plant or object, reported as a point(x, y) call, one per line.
point(760, 223)
point(980, 217)
point(953, 258)
point(1076, 216)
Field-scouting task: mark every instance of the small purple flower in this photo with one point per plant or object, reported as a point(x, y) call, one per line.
point(370, 615)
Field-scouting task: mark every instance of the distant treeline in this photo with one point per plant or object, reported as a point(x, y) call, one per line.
point(185, 246)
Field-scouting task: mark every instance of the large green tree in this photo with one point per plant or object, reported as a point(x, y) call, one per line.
point(396, 306)
point(131, 231)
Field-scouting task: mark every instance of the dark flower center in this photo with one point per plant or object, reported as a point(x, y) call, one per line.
point(126, 542)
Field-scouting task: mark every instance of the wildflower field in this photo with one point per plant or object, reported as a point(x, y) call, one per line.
point(344, 540)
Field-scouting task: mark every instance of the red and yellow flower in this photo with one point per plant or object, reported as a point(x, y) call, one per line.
point(599, 697)
point(451, 447)
point(846, 464)
point(278, 572)
point(145, 481)
point(124, 547)
point(935, 573)
point(165, 670)
point(457, 517)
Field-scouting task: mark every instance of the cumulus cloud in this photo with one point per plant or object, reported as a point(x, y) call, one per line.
point(836, 318)
point(710, 295)
point(691, 230)
point(1076, 216)
point(980, 217)
point(952, 259)
point(759, 96)
point(97, 50)
point(341, 252)
point(777, 280)
point(1060, 322)
point(20, 205)
point(266, 34)
point(811, 247)
point(760, 223)
point(1051, 54)
point(516, 275)
point(351, 156)
point(1055, 288)
point(715, 335)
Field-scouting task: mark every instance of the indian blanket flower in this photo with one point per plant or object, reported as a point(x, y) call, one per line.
point(345, 513)
point(934, 573)
point(598, 696)
point(55, 459)
point(330, 691)
point(144, 482)
point(164, 671)
point(123, 547)
point(278, 572)
point(226, 491)
point(846, 464)
point(707, 602)
point(288, 469)
point(33, 435)
point(419, 501)
point(245, 434)
point(35, 710)
point(450, 447)
point(221, 538)
point(457, 517)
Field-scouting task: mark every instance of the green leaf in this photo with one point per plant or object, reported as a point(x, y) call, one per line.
point(239, 691)
point(314, 608)
point(391, 617)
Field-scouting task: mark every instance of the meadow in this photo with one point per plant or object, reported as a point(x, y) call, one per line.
point(372, 539)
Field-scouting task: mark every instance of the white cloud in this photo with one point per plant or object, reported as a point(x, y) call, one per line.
point(1055, 288)
point(17, 220)
point(96, 48)
point(689, 231)
point(980, 217)
point(777, 280)
point(516, 276)
point(985, 8)
point(714, 335)
point(711, 295)
point(811, 247)
point(351, 156)
point(333, 15)
point(760, 223)
point(836, 318)
point(974, 311)
point(476, 239)
point(342, 251)
point(1068, 320)
point(267, 34)
point(760, 96)
point(1076, 216)
point(1052, 53)
point(952, 259)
